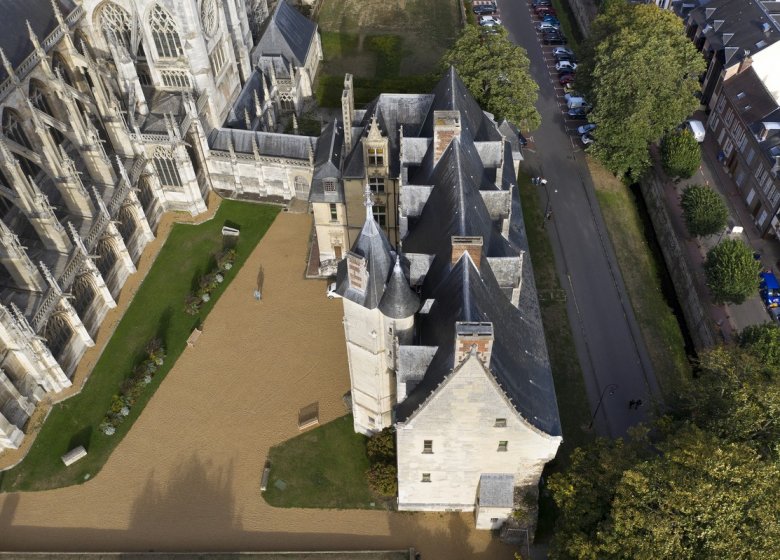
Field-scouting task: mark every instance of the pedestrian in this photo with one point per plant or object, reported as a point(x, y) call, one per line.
point(258, 295)
point(549, 215)
point(631, 403)
point(542, 181)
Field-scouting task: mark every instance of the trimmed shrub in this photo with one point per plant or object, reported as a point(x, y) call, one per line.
point(704, 211)
point(732, 272)
point(383, 479)
point(680, 154)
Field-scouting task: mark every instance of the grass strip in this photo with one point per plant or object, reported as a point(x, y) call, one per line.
point(157, 310)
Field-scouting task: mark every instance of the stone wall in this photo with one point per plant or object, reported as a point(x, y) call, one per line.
point(700, 325)
point(583, 11)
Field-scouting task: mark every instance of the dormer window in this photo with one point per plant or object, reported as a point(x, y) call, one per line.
point(329, 186)
point(376, 156)
point(376, 184)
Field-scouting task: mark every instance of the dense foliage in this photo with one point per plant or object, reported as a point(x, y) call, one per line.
point(680, 154)
point(382, 476)
point(503, 86)
point(705, 487)
point(704, 211)
point(732, 272)
point(642, 73)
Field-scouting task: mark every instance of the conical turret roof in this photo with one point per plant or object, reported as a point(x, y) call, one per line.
point(399, 300)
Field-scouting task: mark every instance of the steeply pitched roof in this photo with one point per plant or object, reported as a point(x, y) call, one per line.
point(246, 101)
point(269, 143)
point(398, 301)
point(289, 33)
point(14, 39)
point(521, 370)
point(327, 163)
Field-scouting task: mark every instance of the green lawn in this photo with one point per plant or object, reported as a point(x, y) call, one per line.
point(641, 273)
point(156, 310)
point(322, 468)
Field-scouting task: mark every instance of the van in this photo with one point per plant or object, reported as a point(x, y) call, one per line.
point(696, 128)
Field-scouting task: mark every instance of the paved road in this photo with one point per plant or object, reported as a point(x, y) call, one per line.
point(610, 348)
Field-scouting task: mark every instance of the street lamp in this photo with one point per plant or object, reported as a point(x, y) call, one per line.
point(612, 387)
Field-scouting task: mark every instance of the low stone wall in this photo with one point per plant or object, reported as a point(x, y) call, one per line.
point(584, 11)
point(702, 330)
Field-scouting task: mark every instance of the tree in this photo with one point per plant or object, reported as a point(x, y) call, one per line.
point(641, 73)
point(732, 272)
point(763, 342)
point(704, 211)
point(497, 73)
point(680, 154)
point(382, 479)
point(380, 447)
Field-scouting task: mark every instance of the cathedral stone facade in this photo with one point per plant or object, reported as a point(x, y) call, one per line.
point(441, 320)
point(112, 113)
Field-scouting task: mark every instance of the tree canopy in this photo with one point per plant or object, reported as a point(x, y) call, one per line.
point(732, 272)
point(641, 73)
point(704, 211)
point(503, 86)
point(680, 153)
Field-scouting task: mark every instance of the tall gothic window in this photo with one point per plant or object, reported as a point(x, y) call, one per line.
point(83, 293)
point(58, 333)
point(166, 168)
point(38, 98)
point(116, 25)
point(12, 128)
point(59, 66)
point(107, 257)
point(164, 33)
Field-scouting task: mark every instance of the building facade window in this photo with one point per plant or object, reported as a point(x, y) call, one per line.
point(178, 79)
point(428, 446)
point(376, 156)
point(217, 59)
point(116, 25)
point(380, 214)
point(426, 477)
point(376, 184)
point(164, 33)
point(329, 185)
point(503, 445)
point(500, 423)
point(334, 213)
point(12, 128)
point(166, 168)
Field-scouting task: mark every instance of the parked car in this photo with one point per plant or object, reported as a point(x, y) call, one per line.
point(774, 313)
point(566, 72)
point(586, 128)
point(566, 79)
point(577, 113)
point(587, 139)
point(555, 38)
point(542, 25)
point(559, 57)
point(769, 288)
point(544, 10)
point(561, 64)
point(487, 21)
point(485, 9)
point(536, 3)
point(563, 51)
point(331, 292)
point(551, 19)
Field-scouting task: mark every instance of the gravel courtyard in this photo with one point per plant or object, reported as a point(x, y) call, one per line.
point(187, 475)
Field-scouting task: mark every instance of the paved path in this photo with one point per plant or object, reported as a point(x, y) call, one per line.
point(606, 334)
point(187, 475)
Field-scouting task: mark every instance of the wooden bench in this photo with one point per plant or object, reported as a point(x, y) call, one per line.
point(194, 337)
point(74, 455)
point(266, 474)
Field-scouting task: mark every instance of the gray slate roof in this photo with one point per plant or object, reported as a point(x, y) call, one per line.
point(14, 39)
point(496, 490)
point(289, 34)
point(399, 300)
point(327, 164)
point(373, 245)
point(270, 143)
point(246, 101)
point(522, 371)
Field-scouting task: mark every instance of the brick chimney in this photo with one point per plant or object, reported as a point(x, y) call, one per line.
point(473, 337)
point(357, 273)
point(470, 245)
point(446, 126)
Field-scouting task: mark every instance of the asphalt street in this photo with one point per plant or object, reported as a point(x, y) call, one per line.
point(609, 345)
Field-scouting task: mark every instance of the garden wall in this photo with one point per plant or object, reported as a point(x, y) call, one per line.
point(700, 325)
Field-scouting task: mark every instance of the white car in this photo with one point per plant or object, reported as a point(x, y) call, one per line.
point(565, 64)
point(587, 139)
point(544, 25)
point(331, 291)
point(586, 128)
point(489, 20)
point(559, 51)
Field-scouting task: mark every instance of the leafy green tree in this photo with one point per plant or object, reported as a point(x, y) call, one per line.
point(497, 73)
point(732, 272)
point(383, 479)
point(380, 447)
point(680, 154)
point(763, 342)
point(704, 211)
point(641, 73)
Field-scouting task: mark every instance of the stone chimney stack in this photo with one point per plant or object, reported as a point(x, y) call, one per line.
point(473, 337)
point(357, 271)
point(347, 110)
point(470, 245)
point(446, 126)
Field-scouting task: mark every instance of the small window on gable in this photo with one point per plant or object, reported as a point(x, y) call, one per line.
point(428, 446)
point(376, 156)
point(503, 445)
point(329, 185)
point(426, 477)
point(500, 423)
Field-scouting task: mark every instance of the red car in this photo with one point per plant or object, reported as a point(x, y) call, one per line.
point(542, 11)
point(566, 79)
